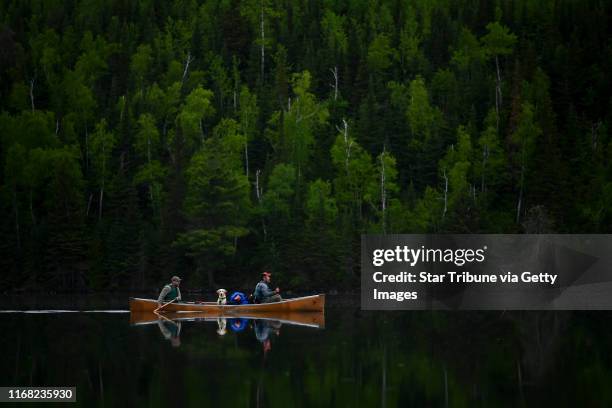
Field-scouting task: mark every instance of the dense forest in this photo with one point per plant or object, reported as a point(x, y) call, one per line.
point(139, 139)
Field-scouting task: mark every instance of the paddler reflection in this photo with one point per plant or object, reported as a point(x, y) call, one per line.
point(170, 329)
point(169, 324)
point(263, 330)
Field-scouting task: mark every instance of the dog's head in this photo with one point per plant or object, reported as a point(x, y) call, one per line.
point(221, 293)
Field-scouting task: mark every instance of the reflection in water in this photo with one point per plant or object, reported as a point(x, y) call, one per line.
point(170, 329)
point(263, 328)
point(238, 324)
point(222, 323)
point(361, 359)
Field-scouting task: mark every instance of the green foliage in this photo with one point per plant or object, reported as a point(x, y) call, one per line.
point(126, 129)
point(498, 40)
point(468, 52)
point(422, 117)
point(456, 169)
point(380, 54)
point(217, 203)
point(411, 55)
point(334, 33)
point(490, 160)
point(279, 192)
point(296, 136)
point(102, 144)
point(354, 173)
point(195, 110)
point(320, 205)
point(141, 63)
point(526, 135)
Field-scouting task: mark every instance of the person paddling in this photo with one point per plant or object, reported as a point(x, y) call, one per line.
point(263, 292)
point(170, 292)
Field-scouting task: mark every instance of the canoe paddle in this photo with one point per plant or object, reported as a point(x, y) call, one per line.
point(165, 318)
point(164, 305)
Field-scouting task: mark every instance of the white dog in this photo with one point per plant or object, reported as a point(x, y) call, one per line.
point(222, 299)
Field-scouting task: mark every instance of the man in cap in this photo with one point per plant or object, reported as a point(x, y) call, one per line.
point(263, 293)
point(170, 292)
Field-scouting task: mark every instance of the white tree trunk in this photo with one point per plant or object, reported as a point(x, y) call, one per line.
point(89, 204)
point(498, 92)
point(334, 72)
point(186, 70)
point(347, 144)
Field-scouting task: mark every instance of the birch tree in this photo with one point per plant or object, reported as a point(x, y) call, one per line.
point(152, 172)
point(383, 188)
point(524, 139)
point(498, 42)
point(354, 172)
point(490, 166)
point(337, 42)
point(102, 145)
point(455, 173)
point(294, 137)
point(248, 112)
point(195, 110)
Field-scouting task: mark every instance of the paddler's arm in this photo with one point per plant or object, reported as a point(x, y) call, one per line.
point(266, 291)
point(163, 294)
point(179, 294)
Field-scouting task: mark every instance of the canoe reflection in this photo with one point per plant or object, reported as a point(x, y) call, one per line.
point(263, 326)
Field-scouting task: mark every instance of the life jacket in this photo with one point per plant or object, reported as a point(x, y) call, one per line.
point(173, 294)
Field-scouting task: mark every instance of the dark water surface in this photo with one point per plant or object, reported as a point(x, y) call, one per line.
point(438, 359)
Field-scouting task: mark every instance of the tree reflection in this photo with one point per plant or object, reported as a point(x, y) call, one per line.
point(361, 359)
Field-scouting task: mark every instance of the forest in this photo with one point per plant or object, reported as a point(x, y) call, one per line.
point(216, 139)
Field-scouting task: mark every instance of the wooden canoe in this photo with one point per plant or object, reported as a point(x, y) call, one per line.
point(315, 303)
point(309, 319)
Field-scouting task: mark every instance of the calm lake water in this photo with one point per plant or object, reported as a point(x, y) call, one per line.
point(359, 359)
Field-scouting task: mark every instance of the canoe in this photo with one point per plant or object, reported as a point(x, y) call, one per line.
point(308, 319)
point(315, 303)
